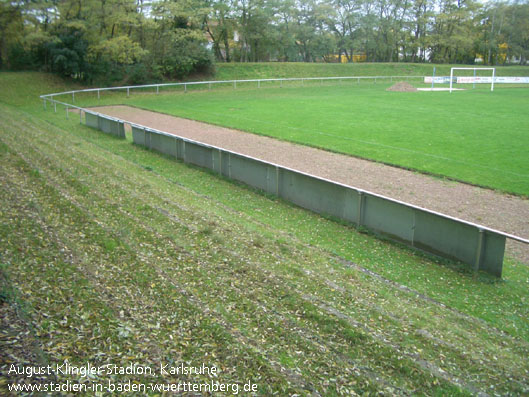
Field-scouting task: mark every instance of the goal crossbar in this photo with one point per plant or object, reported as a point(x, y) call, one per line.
point(474, 69)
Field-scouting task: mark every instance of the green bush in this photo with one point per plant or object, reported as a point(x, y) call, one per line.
point(186, 58)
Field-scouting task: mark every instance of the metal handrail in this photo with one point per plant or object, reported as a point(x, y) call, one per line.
point(128, 87)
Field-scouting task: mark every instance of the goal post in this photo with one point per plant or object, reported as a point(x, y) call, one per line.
point(474, 79)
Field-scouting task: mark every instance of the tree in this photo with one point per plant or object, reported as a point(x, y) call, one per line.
point(420, 17)
point(516, 32)
point(176, 40)
point(219, 25)
point(491, 20)
point(11, 29)
point(309, 29)
point(454, 32)
point(113, 40)
point(285, 20)
point(344, 22)
point(256, 29)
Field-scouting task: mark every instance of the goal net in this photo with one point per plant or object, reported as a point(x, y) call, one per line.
point(473, 79)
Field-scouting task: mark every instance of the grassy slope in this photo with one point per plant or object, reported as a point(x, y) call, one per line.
point(257, 285)
point(278, 69)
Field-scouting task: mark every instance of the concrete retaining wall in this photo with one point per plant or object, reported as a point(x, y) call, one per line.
point(479, 248)
point(91, 120)
point(105, 124)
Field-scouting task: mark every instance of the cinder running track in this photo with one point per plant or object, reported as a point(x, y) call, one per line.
point(483, 206)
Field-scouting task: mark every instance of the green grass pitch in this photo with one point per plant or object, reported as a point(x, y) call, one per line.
point(476, 136)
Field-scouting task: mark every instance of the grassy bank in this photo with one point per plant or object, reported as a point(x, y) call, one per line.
point(229, 71)
point(114, 254)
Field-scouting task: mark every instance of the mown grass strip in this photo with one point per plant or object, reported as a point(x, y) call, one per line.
point(227, 71)
point(145, 307)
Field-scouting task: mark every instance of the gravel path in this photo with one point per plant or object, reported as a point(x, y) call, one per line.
point(483, 206)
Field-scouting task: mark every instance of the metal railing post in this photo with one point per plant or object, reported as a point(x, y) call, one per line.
point(55, 106)
point(67, 115)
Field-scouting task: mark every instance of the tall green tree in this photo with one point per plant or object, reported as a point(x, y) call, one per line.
point(344, 23)
point(516, 31)
point(177, 40)
point(419, 21)
point(219, 24)
point(454, 32)
point(256, 30)
point(312, 38)
point(139, 40)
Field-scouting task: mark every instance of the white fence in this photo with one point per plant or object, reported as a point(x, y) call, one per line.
point(258, 82)
point(209, 84)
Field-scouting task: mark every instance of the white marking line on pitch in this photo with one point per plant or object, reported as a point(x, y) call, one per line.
point(440, 89)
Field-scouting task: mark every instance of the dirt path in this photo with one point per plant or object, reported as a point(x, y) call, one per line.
point(489, 208)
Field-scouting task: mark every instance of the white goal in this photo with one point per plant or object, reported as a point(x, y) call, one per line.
point(474, 79)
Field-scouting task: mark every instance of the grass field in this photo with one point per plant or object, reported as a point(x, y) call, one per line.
point(111, 254)
point(474, 136)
